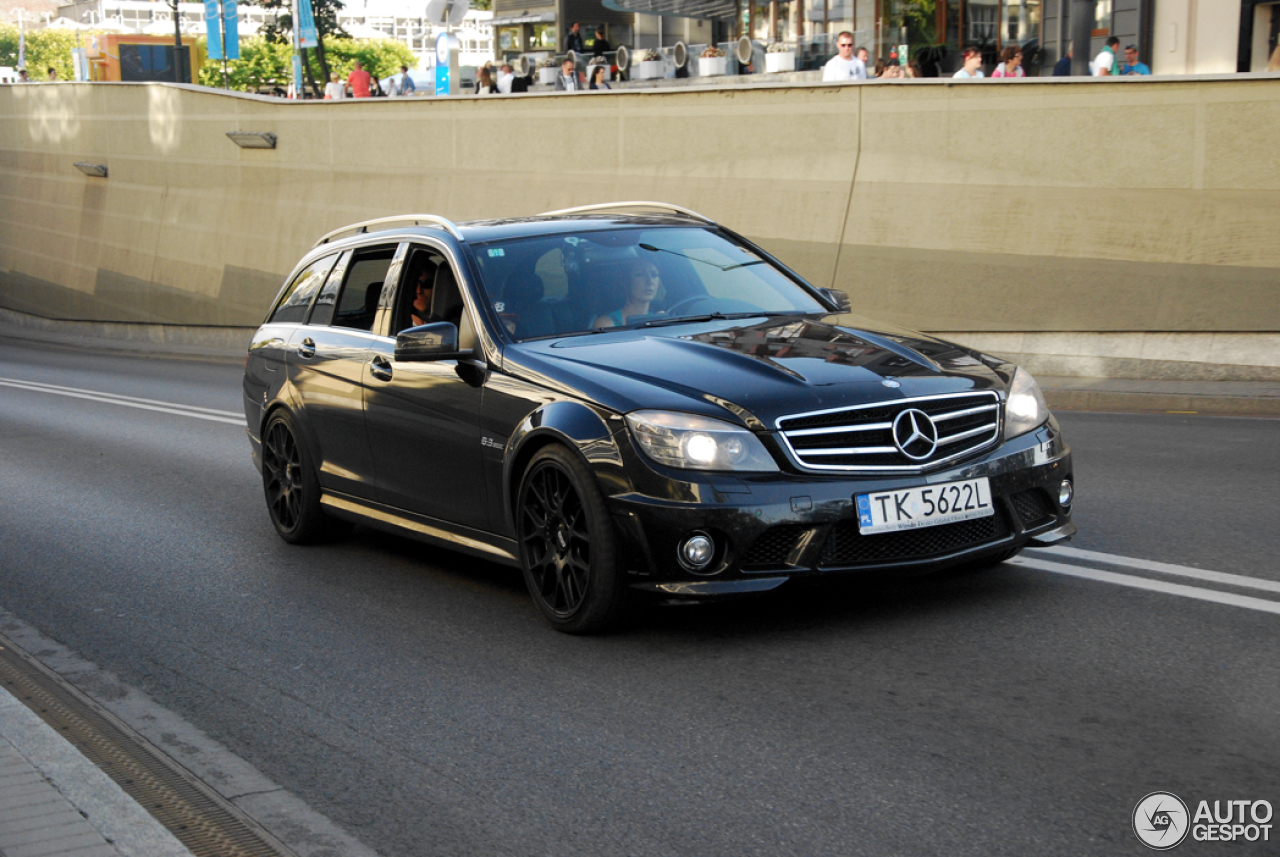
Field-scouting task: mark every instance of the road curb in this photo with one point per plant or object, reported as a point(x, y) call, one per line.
point(1181, 403)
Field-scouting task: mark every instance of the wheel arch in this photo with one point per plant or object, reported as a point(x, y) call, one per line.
point(586, 432)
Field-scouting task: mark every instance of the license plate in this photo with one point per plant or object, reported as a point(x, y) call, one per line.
point(925, 506)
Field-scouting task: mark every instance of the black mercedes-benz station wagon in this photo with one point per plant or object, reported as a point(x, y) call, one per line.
point(629, 397)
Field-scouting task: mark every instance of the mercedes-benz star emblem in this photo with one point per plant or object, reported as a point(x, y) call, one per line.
point(915, 434)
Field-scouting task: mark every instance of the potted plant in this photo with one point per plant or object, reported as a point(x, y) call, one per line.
point(711, 62)
point(547, 71)
point(650, 66)
point(780, 56)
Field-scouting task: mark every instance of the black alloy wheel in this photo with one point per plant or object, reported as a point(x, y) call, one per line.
point(568, 550)
point(290, 483)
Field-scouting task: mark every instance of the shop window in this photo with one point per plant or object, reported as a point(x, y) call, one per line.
point(544, 37)
point(509, 39)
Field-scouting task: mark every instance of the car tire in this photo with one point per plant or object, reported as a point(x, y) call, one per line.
point(568, 550)
point(290, 483)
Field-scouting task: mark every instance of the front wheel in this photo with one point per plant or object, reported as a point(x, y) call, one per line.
point(568, 550)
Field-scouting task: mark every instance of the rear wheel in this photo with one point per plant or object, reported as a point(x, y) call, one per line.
point(568, 550)
point(290, 483)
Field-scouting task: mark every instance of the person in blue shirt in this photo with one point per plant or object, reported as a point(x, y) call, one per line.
point(1131, 64)
point(1062, 68)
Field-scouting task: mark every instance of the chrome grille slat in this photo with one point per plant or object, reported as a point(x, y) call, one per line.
point(976, 418)
point(951, 415)
point(837, 429)
point(952, 438)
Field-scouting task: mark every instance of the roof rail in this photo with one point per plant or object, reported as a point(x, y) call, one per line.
point(616, 206)
point(410, 219)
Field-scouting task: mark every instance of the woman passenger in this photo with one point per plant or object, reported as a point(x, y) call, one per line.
point(1010, 64)
point(643, 282)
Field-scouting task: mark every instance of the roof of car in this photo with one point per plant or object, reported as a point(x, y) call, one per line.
point(525, 227)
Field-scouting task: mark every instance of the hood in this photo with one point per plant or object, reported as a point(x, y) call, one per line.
point(762, 371)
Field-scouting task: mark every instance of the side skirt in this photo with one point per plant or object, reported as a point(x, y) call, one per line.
point(475, 542)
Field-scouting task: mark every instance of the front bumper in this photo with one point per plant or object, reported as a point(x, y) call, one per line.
point(769, 528)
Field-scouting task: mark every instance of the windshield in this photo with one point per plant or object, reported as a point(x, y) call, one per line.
point(597, 281)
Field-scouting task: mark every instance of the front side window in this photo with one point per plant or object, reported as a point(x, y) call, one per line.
point(297, 298)
point(593, 281)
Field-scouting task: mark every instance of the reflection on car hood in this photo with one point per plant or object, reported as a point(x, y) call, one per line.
point(764, 370)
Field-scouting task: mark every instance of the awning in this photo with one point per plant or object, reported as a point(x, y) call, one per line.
point(707, 10)
point(513, 20)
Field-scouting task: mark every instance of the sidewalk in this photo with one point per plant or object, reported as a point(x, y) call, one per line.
point(54, 801)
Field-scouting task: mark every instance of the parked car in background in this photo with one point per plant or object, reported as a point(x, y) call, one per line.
point(627, 399)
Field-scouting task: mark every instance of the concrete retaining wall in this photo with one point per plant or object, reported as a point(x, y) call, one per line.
point(1023, 206)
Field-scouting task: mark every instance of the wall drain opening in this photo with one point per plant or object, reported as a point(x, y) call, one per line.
point(201, 819)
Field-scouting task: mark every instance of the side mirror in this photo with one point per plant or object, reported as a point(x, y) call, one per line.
point(437, 341)
point(838, 299)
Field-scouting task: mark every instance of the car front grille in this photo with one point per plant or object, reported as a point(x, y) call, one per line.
point(845, 546)
point(861, 439)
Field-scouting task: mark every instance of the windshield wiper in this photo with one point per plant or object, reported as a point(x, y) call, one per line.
point(716, 265)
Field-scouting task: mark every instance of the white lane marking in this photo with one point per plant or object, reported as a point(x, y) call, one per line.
point(128, 402)
point(1162, 568)
point(21, 382)
point(1185, 591)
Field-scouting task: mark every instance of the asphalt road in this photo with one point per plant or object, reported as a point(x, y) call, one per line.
point(417, 699)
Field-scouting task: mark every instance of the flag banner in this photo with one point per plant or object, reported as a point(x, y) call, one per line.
point(213, 24)
point(22, 49)
point(307, 37)
point(231, 16)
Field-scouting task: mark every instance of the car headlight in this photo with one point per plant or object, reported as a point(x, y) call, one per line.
point(1025, 408)
point(698, 443)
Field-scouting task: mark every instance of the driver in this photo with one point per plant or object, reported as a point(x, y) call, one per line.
point(643, 282)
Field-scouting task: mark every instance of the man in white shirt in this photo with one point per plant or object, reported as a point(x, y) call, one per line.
point(972, 64)
point(844, 65)
point(506, 76)
point(1104, 64)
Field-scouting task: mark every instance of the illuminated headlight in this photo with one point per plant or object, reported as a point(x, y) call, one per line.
point(698, 443)
point(1025, 408)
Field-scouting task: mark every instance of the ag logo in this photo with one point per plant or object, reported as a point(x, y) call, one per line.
point(1161, 821)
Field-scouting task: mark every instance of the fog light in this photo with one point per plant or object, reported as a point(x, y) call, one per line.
point(697, 551)
point(1065, 493)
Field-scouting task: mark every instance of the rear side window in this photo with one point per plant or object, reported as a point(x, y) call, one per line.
point(358, 300)
point(297, 298)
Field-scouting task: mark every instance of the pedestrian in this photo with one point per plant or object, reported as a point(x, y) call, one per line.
point(568, 80)
point(1132, 65)
point(334, 89)
point(601, 45)
point(1104, 64)
point(598, 77)
point(573, 41)
point(972, 64)
point(1010, 64)
point(375, 88)
point(406, 84)
point(53, 73)
point(484, 82)
point(864, 57)
point(913, 70)
point(844, 65)
point(358, 81)
point(506, 77)
point(1062, 68)
point(22, 76)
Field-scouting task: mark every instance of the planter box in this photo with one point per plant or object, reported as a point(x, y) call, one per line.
point(780, 62)
point(547, 76)
point(651, 70)
point(711, 66)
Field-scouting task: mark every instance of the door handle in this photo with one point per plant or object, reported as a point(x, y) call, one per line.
point(380, 368)
point(307, 348)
